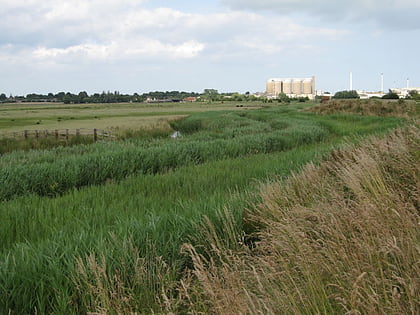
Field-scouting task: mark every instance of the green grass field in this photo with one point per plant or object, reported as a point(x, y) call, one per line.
point(99, 227)
point(18, 117)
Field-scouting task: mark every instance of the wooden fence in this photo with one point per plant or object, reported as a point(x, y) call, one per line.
point(60, 134)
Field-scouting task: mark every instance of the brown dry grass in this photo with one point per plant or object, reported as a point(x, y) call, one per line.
point(400, 108)
point(342, 237)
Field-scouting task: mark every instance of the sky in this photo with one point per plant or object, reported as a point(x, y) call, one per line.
point(137, 46)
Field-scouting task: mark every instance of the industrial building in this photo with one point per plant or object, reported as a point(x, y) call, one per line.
point(405, 92)
point(292, 87)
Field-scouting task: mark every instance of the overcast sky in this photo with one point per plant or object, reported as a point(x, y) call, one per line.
point(229, 45)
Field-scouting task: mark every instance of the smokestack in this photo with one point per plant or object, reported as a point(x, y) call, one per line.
point(351, 81)
point(408, 83)
point(382, 82)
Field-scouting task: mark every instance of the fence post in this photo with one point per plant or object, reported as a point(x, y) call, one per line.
point(95, 135)
point(67, 134)
point(77, 132)
point(56, 133)
point(36, 134)
point(25, 134)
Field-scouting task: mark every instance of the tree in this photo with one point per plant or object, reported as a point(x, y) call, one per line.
point(68, 98)
point(60, 96)
point(414, 95)
point(346, 95)
point(83, 97)
point(390, 96)
point(210, 91)
point(211, 94)
point(283, 98)
point(3, 97)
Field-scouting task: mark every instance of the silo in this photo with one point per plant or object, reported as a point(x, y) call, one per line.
point(287, 86)
point(313, 85)
point(277, 87)
point(307, 86)
point(274, 87)
point(270, 87)
point(297, 86)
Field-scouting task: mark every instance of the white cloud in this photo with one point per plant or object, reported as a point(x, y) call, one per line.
point(80, 30)
point(89, 50)
point(119, 50)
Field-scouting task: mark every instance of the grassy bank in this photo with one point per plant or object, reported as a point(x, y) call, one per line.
point(341, 237)
point(400, 108)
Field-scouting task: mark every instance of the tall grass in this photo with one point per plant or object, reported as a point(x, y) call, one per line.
point(13, 144)
point(341, 237)
point(400, 108)
point(50, 244)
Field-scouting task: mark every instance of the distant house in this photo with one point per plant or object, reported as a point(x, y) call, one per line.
point(325, 98)
point(165, 100)
point(190, 99)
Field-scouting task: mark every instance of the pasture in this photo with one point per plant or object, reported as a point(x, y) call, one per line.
point(21, 116)
point(100, 227)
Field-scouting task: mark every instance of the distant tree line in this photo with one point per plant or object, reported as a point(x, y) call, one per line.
point(208, 95)
point(104, 97)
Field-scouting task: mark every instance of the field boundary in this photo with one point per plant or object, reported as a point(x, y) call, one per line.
point(64, 134)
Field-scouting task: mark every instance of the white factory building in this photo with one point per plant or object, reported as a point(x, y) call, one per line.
point(401, 92)
point(292, 87)
point(404, 92)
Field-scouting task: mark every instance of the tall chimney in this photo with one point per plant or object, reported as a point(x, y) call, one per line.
point(351, 81)
point(382, 82)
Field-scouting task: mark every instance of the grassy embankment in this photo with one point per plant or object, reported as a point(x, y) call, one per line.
point(393, 108)
point(116, 247)
point(338, 238)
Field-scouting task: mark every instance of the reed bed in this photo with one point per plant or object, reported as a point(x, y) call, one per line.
point(10, 144)
point(49, 176)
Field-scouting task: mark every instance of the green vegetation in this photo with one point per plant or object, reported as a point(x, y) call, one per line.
point(16, 144)
point(414, 95)
point(391, 108)
point(100, 227)
point(104, 97)
point(211, 136)
point(115, 117)
point(346, 95)
point(283, 98)
point(391, 96)
point(208, 95)
point(339, 238)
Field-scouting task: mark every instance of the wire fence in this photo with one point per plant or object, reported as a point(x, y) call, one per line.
point(63, 134)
